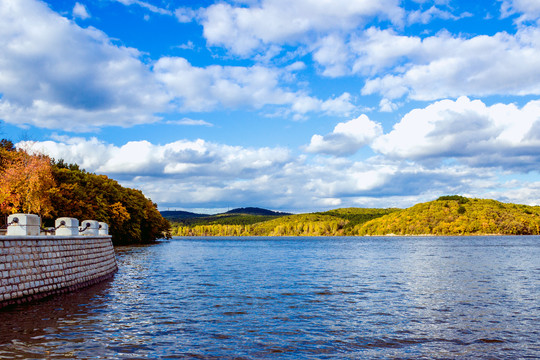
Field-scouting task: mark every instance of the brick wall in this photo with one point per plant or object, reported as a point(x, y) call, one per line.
point(34, 267)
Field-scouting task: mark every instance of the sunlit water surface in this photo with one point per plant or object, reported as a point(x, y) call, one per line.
point(296, 298)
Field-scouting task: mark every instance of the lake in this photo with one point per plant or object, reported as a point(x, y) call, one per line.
point(296, 298)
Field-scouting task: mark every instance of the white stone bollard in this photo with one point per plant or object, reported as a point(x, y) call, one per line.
point(89, 227)
point(23, 225)
point(66, 226)
point(103, 228)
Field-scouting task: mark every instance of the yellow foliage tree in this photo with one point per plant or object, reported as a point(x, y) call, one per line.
point(26, 184)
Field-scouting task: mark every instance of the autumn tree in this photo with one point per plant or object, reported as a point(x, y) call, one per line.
point(26, 182)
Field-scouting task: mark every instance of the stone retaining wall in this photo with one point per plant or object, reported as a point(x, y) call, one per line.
point(33, 267)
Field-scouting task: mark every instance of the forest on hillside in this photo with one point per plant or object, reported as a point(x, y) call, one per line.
point(36, 184)
point(447, 215)
point(457, 215)
point(329, 223)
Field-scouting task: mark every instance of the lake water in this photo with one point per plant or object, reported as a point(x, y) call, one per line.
point(296, 298)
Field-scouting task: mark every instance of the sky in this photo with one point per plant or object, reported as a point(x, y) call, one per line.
point(300, 106)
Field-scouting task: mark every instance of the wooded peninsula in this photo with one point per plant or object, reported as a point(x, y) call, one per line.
point(447, 215)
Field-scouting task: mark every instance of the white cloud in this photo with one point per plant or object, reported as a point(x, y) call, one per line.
point(80, 11)
point(48, 115)
point(89, 154)
point(445, 66)
point(435, 67)
point(183, 158)
point(54, 74)
point(243, 30)
point(183, 172)
point(469, 131)
point(146, 5)
point(386, 105)
point(518, 192)
point(426, 16)
point(187, 46)
point(333, 54)
point(189, 122)
point(366, 53)
point(201, 174)
point(340, 105)
point(347, 138)
point(296, 66)
point(185, 15)
point(529, 9)
point(205, 89)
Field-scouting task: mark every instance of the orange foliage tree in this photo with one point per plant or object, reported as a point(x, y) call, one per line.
point(26, 183)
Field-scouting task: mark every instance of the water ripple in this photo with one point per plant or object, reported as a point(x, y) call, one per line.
point(291, 298)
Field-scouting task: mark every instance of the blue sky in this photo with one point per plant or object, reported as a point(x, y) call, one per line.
point(298, 106)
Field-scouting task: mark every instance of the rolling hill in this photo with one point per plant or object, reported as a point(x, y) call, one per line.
point(456, 215)
point(447, 215)
point(176, 215)
point(239, 216)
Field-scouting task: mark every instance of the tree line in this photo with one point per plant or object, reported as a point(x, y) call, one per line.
point(37, 184)
point(339, 222)
point(448, 215)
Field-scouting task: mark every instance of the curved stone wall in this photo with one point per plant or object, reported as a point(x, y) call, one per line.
point(33, 267)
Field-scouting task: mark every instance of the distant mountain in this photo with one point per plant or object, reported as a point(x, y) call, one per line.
point(256, 211)
point(180, 215)
point(183, 215)
point(239, 216)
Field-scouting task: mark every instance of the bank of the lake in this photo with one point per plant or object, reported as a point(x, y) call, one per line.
point(296, 298)
point(445, 216)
